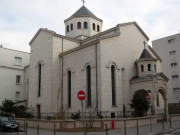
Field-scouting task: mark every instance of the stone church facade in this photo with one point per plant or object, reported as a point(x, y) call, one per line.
point(109, 66)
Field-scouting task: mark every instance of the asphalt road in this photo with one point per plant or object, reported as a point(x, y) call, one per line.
point(170, 132)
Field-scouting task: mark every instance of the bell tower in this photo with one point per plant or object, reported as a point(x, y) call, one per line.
point(82, 24)
point(146, 64)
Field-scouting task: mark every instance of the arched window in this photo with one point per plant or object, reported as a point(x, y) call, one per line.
point(155, 67)
point(98, 28)
point(94, 27)
point(149, 67)
point(157, 98)
point(113, 84)
point(39, 80)
point(142, 68)
point(85, 25)
point(71, 26)
point(88, 72)
point(69, 88)
point(68, 28)
point(79, 25)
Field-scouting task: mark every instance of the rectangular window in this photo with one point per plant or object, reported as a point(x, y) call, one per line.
point(172, 52)
point(171, 41)
point(176, 89)
point(174, 64)
point(175, 76)
point(18, 61)
point(17, 95)
point(18, 79)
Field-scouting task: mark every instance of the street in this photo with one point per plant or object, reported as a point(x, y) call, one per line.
point(170, 132)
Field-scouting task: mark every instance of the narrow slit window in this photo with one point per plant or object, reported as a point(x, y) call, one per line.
point(71, 26)
point(88, 70)
point(149, 67)
point(142, 68)
point(113, 85)
point(39, 80)
point(79, 25)
point(98, 28)
point(69, 88)
point(94, 26)
point(68, 28)
point(85, 25)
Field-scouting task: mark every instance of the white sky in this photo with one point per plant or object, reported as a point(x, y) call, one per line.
point(21, 19)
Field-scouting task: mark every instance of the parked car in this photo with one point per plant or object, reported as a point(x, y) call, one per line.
point(8, 123)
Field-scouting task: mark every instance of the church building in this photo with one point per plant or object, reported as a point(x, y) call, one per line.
point(109, 66)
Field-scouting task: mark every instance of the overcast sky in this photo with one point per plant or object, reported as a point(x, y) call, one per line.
point(21, 19)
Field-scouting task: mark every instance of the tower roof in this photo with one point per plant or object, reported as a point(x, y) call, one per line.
point(145, 54)
point(83, 12)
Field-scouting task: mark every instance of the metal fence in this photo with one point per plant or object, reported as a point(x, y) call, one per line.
point(99, 115)
point(123, 130)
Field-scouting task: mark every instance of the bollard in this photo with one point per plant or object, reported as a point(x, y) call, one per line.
point(124, 127)
point(54, 128)
point(163, 124)
point(18, 129)
point(38, 129)
point(26, 127)
point(113, 123)
point(106, 129)
point(137, 127)
point(170, 122)
point(150, 124)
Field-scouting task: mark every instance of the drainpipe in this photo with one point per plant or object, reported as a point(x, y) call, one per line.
point(96, 78)
point(62, 63)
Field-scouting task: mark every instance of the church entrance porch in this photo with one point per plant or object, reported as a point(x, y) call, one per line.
point(161, 105)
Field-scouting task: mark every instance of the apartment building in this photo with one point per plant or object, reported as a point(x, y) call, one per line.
point(13, 85)
point(168, 48)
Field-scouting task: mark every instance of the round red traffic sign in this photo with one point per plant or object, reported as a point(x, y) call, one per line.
point(147, 96)
point(81, 95)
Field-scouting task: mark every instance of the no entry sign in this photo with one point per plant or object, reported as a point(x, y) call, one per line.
point(147, 96)
point(81, 95)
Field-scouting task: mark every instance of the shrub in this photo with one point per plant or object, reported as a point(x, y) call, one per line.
point(49, 117)
point(100, 116)
point(139, 104)
point(27, 115)
point(76, 115)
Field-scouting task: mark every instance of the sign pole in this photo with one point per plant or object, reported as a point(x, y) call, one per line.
point(83, 115)
point(150, 117)
point(81, 95)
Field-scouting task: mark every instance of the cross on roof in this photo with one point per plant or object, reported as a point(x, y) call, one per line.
point(144, 44)
point(83, 2)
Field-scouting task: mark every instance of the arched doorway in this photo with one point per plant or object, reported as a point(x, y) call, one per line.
point(139, 103)
point(161, 104)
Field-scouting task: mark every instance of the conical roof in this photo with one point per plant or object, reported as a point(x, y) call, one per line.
point(83, 11)
point(145, 54)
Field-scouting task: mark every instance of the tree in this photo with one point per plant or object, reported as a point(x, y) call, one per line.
point(139, 104)
point(9, 106)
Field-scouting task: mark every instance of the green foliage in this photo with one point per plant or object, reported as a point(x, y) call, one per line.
point(49, 117)
point(76, 115)
point(27, 115)
point(100, 116)
point(9, 106)
point(139, 104)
